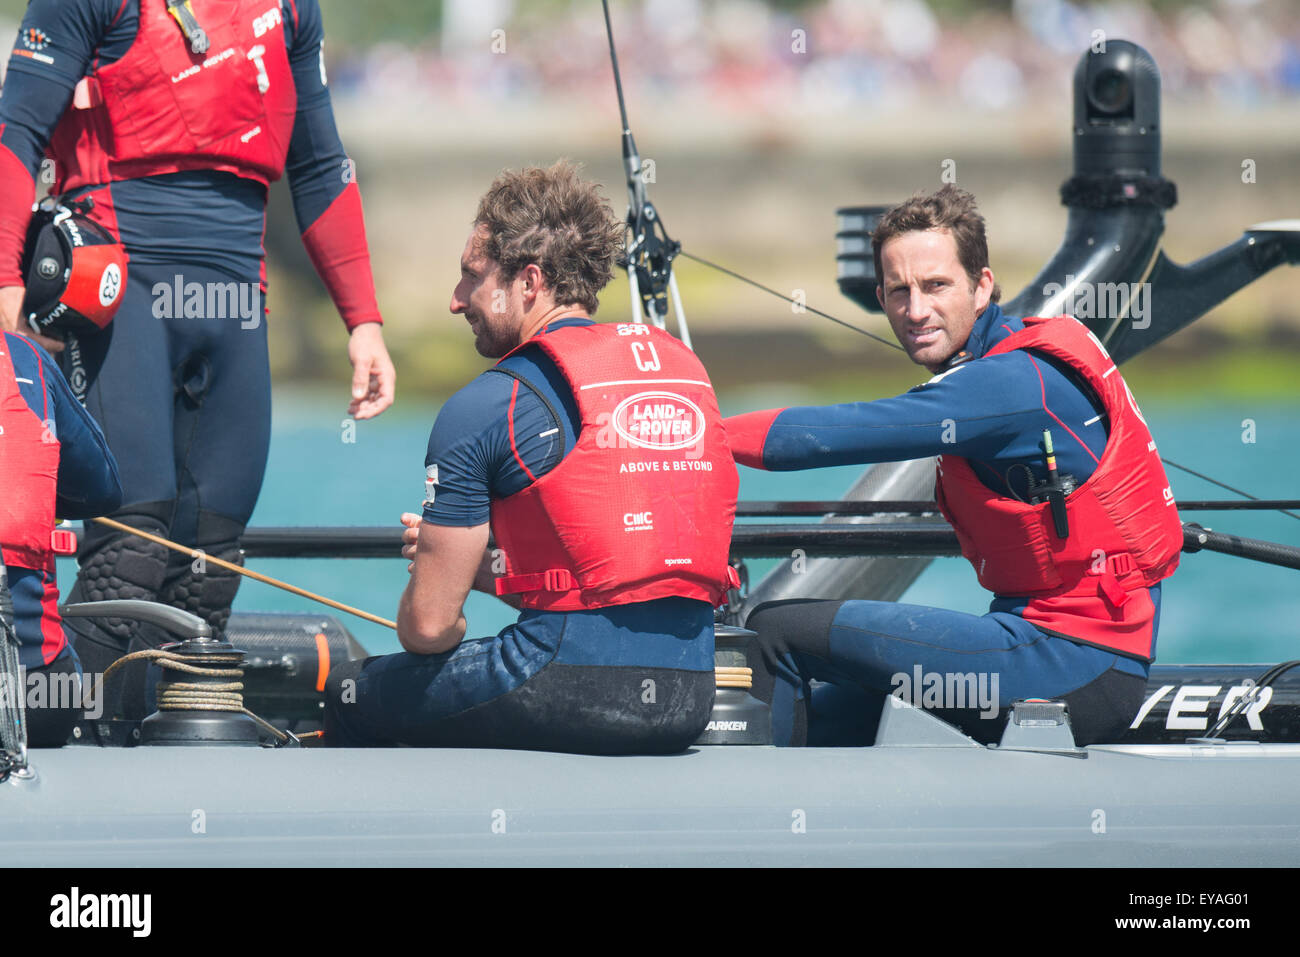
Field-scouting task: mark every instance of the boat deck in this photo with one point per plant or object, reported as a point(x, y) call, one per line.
point(1172, 805)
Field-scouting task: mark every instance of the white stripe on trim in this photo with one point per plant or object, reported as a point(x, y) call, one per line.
point(1095, 418)
point(597, 385)
point(542, 435)
point(943, 375)
point(1108, 372)
point(28, 381)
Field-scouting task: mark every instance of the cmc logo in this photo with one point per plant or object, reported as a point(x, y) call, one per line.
point(638, 521)
point(659, 420)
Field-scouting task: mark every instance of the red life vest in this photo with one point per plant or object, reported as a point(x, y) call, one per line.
point(29, 462)
point(1125, 534)
point(642, 507)
point(163, 109)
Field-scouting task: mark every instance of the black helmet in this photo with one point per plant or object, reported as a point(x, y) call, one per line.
point(75, 269)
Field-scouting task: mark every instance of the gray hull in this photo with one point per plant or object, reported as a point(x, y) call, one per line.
point(935, 798)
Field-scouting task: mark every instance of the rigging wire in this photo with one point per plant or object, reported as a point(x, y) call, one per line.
point(1224, 485)
point(758, 285)
point(1248, 699)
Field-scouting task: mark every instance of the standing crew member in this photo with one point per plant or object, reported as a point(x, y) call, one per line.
point(55, 462)
point(597, 455)
point(172, 119)
point(1074, 615)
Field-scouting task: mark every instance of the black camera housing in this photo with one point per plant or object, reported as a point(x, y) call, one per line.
point(1117, 112)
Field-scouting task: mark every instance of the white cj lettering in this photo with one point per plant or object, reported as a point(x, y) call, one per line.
point(650, 364)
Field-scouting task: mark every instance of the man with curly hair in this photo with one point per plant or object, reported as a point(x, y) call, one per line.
point(597, 456)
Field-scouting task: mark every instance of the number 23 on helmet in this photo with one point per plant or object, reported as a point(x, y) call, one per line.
point(75, 270)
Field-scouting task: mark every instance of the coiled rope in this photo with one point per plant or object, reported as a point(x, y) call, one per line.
point(728, 676)
point(200, 695)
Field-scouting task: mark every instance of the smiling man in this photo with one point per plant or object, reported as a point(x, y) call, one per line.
point(1076, 585)
point(597, 457)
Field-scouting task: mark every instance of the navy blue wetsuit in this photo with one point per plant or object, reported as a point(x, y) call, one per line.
point(180, 380)
point(87, 486)
point(628, 678)
point(991, 412)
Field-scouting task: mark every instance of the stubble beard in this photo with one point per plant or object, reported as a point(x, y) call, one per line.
point(489, 340)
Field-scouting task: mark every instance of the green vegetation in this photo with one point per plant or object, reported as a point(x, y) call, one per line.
point(354, 24)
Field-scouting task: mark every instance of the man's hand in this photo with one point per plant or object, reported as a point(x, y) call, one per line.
point(374, 379)
point(11, 315)
point(410, 535)
point(444, 560)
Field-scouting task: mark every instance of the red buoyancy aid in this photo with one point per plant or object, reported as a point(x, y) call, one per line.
point(642, 507)
point(162, 108)
point(1124, 530)
point(29, 462)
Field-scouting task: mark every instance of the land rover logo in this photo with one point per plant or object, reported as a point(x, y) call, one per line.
point(48, 267)
point(659, 420)
point(110, 284)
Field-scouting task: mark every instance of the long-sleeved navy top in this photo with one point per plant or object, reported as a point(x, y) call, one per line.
point(991, 410)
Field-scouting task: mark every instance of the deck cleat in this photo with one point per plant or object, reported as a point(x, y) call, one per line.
point(1037, 724)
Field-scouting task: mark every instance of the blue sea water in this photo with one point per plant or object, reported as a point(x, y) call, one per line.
point(1216, 608)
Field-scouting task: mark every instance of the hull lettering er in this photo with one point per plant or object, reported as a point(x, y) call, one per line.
point(1189, 707)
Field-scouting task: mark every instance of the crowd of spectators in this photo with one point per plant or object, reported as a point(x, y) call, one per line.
point(823, 55)
point(828, 56)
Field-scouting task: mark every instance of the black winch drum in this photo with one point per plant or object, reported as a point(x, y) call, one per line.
point(738, 717)
point(195, 725)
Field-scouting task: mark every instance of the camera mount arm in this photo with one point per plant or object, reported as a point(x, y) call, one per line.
point(1182, 294)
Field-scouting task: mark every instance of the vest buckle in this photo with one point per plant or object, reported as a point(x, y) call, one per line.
point(1121, 564)
point(553, 579)
point(1116, 567)
point(558, 579)
point(63, 541)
